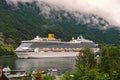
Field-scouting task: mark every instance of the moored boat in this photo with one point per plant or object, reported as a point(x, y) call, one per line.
point(13, 74)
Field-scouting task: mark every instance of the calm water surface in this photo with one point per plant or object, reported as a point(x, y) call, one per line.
point(62, 64)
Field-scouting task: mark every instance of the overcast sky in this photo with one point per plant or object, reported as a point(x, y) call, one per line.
point(108, 9)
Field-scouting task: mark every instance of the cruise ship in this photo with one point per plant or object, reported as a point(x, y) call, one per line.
point(51, 47)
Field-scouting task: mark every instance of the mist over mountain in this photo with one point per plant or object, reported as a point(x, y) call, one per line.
point(61, 15)
point(25, 20)
point(107, 9)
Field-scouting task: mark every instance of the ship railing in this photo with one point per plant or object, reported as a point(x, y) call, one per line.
point(27, 50)
point(60, 49)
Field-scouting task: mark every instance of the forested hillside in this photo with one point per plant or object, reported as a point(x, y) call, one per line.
point(25, 22)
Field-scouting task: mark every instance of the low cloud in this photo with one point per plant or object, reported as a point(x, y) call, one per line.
point(107, 9)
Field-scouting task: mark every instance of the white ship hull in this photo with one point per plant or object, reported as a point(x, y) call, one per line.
point(52, 47)
point(48, 54)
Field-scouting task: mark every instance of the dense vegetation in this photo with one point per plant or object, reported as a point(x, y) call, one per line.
point(88, 69)
point(25, 22)
point(6, 50)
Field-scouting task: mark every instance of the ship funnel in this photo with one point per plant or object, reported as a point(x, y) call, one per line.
point(51, 35)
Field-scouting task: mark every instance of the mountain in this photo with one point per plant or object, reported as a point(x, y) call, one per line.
point(27, 20)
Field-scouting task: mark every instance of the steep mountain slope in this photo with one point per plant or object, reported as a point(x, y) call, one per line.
point(27, 21)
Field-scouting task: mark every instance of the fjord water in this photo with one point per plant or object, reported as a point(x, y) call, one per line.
point(61, 64)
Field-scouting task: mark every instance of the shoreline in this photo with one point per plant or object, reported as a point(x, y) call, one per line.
point(8, 56)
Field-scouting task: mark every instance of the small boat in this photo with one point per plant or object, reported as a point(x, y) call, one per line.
point(17, 73)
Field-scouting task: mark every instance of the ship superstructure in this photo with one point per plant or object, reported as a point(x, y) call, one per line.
point(52, 47)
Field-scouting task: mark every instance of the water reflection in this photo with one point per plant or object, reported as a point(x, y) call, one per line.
point(8, 61)
point(62, 64)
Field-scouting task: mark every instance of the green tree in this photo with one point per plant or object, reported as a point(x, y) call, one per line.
point(110, 62)
point(48, 77)
point(84, 63)
point(105, 59)
point(67, 76)
point(6, 50)
point(86, 58)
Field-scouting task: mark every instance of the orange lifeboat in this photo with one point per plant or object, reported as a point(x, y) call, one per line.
point(45, 49)
point(67, 49)
point(76, 49)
